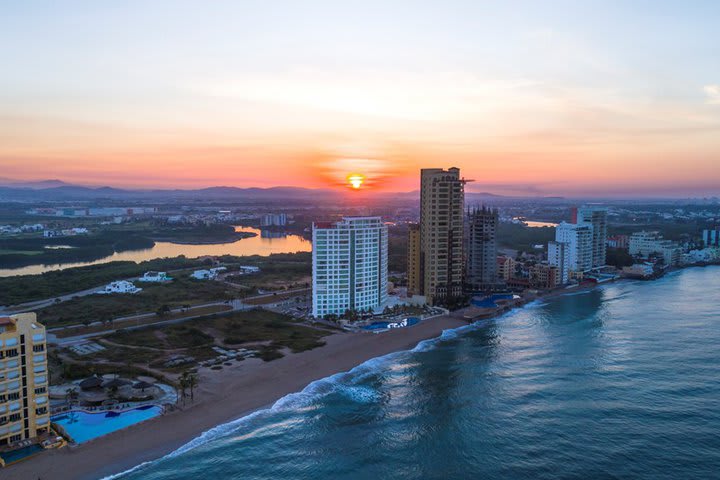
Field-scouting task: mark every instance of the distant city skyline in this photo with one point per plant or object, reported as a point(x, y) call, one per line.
point(606, 99)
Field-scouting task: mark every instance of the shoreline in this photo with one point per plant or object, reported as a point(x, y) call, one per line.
point(223, 396)
point(217, 402)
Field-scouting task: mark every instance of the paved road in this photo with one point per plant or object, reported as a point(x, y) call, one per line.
point(30, 306)
point(236, 305)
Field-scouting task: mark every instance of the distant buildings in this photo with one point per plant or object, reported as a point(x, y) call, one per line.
point(544, 276)
point(120, 286)
point(558, 258)
point(639, 270)
point(24, 405)
point(273, 220)
point(618, 241)
point(93, 211)
point(440, 249)
point(350, 269)
point(248, 269)
point(705, 255)
point(11, 230)
point(597, 217)
point(482, 248)
point(572, 250)
point(155, 277)
point(506, 267)
point(67, 232)
point(645, 244)
point(711, 237)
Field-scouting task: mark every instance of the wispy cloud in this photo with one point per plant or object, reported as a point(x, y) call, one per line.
point(713, 94)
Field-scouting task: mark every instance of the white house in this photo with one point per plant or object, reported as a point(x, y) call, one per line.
point(120, 286)
point(201, 275)
point(207, 274)
point(155, 277)
point(249, 269)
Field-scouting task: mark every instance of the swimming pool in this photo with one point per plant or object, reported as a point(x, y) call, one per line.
point(84, 426)
point(489, 302)
point(407, 322)
point(20, 454)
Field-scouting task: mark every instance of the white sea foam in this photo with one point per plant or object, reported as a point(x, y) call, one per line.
point(345, 383)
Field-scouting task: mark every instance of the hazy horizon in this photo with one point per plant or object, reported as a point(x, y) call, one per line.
point(526, 98)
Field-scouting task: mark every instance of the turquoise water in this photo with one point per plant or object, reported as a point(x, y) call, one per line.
point(383, 325)
point(82, 426)
point(622, 382)
point(20, 454)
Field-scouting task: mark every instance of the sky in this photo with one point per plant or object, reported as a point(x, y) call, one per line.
point(616, 98)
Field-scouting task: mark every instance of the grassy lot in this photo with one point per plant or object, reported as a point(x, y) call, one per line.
point(275, 297)
point(169, 337)
point(133, 322)
point(267, 332)
point(93, 308)
point(522, 238)
point(258, 326)
point(277, 273)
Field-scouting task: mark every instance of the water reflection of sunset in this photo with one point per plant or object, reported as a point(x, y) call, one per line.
point(256, 245)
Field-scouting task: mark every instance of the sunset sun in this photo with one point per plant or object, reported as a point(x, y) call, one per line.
point(355, 180)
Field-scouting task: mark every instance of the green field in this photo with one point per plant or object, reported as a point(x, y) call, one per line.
point(93, 308)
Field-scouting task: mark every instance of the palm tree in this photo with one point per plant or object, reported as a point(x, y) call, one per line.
point(113, 392)
point(71, 396)
point(192, 381)
point(183, 381)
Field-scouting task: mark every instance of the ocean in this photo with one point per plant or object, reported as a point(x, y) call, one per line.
point(619, 382)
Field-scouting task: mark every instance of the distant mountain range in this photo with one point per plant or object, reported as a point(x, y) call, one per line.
point(57, 190)
point(40, 184)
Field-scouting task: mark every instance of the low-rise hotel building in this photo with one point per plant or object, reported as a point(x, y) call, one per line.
point(645, 244)
point(24, 405)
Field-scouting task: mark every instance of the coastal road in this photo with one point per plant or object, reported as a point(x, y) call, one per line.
point(235, 305)
point(38, 304)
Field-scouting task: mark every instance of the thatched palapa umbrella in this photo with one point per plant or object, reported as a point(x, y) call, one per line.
point(91, 383)
point(142, 385)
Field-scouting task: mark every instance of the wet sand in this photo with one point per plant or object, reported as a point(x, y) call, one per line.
point(222, 396)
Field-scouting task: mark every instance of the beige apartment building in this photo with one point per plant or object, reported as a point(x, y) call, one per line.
point(439, 252)
point(24, 404)
point(414, 269)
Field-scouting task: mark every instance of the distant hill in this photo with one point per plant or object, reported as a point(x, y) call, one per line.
point(39, 184)
point(48, 191)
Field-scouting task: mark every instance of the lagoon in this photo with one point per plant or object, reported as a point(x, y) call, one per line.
point(256, 245)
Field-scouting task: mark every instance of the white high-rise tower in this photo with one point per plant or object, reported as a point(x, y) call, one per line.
point(350, 265)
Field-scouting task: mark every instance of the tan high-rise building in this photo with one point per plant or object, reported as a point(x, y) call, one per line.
point(24, 405)
point(414, 270)
point(442, 198)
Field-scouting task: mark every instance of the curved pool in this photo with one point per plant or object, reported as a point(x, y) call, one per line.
point(408, 322)
point(84, 426)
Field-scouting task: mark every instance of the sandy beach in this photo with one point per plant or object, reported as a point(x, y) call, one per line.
point(223, 396)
